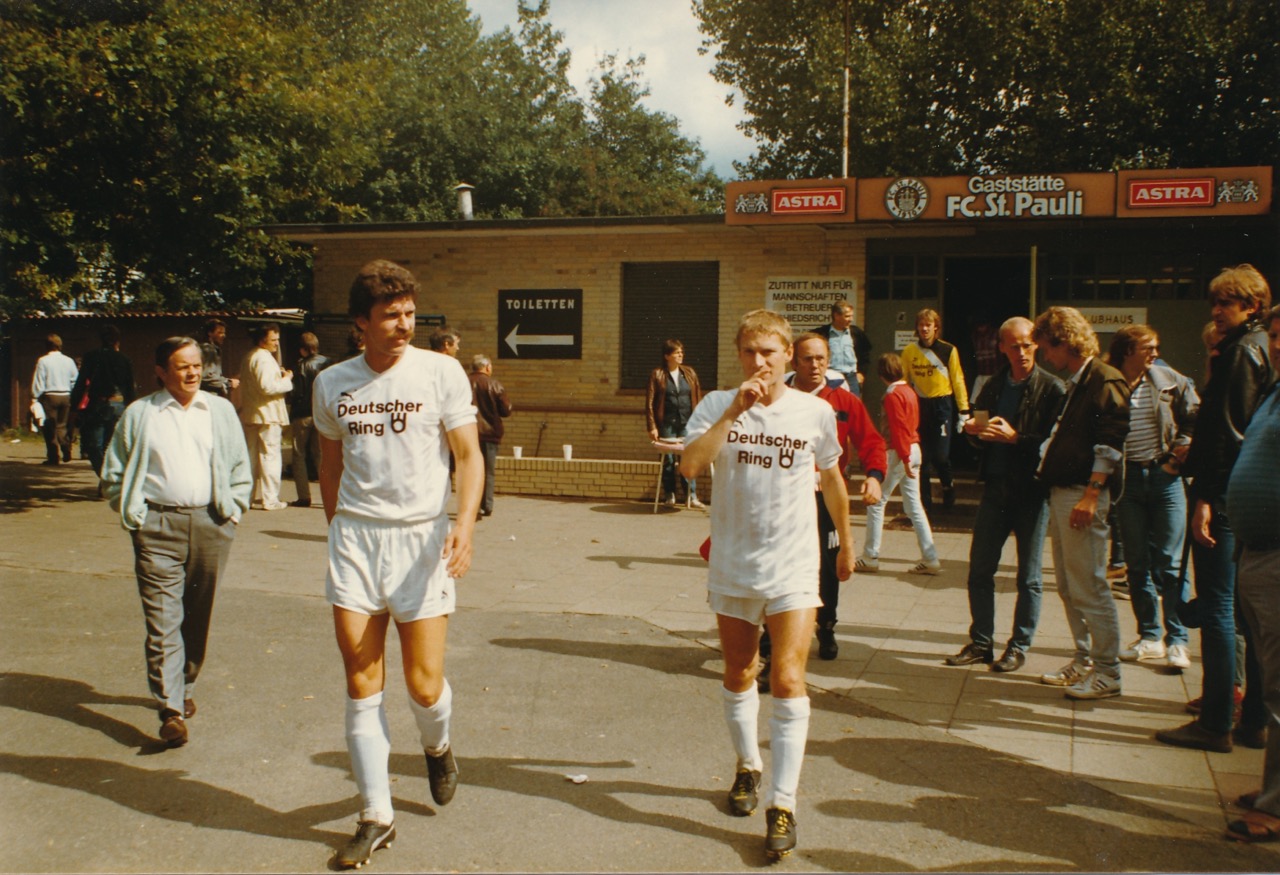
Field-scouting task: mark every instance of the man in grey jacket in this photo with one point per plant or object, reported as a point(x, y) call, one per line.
point(177, 471)
point(1152, 511)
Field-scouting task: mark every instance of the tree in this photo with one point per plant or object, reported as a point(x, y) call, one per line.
point(634, 161)
point(951, 86)
point(145, 141)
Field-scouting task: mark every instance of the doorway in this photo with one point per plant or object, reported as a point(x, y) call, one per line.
point(982, 288)
point(975, 290)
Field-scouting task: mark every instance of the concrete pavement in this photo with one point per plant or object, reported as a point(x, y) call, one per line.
point(583, 646)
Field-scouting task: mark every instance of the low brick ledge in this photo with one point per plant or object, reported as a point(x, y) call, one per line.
point(581, 478)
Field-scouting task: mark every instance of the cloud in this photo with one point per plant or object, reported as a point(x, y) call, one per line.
point(666, 33)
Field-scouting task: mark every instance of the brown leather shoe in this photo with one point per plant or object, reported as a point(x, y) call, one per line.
point(1251, 738)
point(1012, 660)
point(173, 731)
point(1193, 735)
point(188, 708)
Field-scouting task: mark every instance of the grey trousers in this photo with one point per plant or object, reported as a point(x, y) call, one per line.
point(1258, 581)
point(304, 447)
point(178, 556)
point(1080, 566)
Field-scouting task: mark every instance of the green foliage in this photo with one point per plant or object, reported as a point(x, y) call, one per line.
point(147, 141)
point(144, 144)
point(951, 86)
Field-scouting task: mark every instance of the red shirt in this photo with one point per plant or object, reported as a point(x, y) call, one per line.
point(902, 419)
point(853, 422)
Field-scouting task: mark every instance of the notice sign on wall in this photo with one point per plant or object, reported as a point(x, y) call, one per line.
point(1108, 320)
point(540, 323)
point(806, 300)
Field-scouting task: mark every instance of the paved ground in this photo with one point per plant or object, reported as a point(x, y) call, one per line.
point(582, 646)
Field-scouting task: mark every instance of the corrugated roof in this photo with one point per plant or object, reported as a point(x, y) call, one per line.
point(279, 314)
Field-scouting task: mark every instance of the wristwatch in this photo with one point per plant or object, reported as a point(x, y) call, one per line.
point(1096, 484)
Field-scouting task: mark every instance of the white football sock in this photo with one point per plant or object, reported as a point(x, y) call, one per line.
point(788, 732)
point(433, 722)
point(742, 713)
point(369, 744)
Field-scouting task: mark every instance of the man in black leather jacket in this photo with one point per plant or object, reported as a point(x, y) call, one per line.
point(1239, 373)
point(1019, 403)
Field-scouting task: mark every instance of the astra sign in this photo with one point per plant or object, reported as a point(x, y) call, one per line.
point(802, 201)
point(1189, 192)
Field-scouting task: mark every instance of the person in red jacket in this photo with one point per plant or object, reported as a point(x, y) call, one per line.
point(902, 422)
point(854, 429)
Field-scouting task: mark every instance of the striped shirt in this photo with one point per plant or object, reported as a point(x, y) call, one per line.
point(1143, 443)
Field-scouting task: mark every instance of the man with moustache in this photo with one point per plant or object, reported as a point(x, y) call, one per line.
point(387, 421)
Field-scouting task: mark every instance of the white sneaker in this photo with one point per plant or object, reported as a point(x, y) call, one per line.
point(1070, 674)
point(1094, 686)
point(693, 502)
point(1179, 656)
point(671, 500)
point(867, 566)
point(1143, 650)
point(923, 567)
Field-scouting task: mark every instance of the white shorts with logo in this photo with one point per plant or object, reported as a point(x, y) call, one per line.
point(754, 610)
point(380, 567)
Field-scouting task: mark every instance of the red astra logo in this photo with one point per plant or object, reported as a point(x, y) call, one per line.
point(1171, 192)
point(798, 201)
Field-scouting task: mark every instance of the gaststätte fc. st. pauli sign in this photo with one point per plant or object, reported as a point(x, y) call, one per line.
point(1204, 191)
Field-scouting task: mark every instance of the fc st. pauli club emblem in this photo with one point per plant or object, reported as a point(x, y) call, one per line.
point(906, 198)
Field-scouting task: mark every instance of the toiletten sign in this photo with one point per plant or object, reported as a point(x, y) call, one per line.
point(540, 323)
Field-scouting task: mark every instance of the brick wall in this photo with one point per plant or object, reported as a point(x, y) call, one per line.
point(579, 402)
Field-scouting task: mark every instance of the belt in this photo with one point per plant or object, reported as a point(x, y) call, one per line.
point(175, 508)
point(1145, 466)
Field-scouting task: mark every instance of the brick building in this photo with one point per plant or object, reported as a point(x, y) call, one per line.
point(590, 300)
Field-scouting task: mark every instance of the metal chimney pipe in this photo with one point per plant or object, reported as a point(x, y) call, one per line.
point(464, 201)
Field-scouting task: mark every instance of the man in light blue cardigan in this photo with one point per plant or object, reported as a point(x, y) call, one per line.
point(177, 471)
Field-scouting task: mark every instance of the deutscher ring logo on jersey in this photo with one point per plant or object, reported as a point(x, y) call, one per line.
point(372, 415)
point(786, 447)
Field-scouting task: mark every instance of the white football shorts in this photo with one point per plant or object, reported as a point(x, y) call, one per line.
point(380, 567)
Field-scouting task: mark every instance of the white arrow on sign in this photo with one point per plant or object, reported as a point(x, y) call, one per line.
point(515, 339)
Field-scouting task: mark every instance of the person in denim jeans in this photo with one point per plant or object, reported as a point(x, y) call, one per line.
point(1152, 511)
point(104, 388)
point(1239, 374)
point(1019, 403)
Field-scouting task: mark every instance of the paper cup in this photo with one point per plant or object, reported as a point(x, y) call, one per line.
point(568, 451)
point(517, 452)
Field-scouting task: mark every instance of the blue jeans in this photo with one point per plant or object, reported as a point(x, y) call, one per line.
point(1007, 508)
point(97, 429)
point(896, 477)
point(1215, 594)
point(1153, 521)
point(854, 386)
point(489, 449)
point(669, 461)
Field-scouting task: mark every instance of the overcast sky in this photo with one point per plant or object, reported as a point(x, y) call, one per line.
point(666, 33)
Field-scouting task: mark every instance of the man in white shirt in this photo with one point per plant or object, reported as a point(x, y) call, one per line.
point(51, 385)
point(387, 421)
point(265, 385)
point(766, 441)
point(178, 473)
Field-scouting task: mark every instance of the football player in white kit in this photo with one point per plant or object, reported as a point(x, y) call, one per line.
point(388, 420)
point(765, 441)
